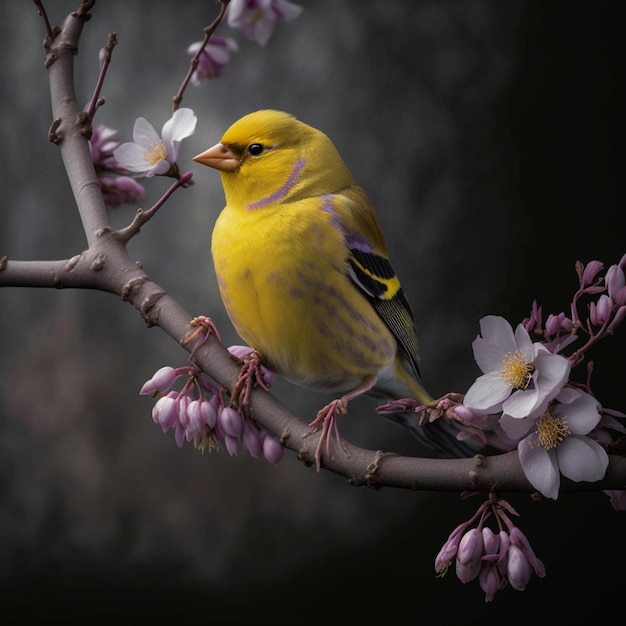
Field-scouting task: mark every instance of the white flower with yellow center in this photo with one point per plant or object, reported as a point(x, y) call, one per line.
point(519, 377)
point(150, 154)
point(557, 442)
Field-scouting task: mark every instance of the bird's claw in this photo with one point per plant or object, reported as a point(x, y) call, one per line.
point(325, 420)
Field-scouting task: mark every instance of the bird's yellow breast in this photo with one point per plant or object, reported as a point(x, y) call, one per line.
point(282, 275)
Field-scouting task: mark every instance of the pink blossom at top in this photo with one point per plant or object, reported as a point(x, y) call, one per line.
point(213, 58)
point(257, 18)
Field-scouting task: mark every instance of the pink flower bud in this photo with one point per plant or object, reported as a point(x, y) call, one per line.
point(617, 319)
point(604, 309)
point(160, 381)
point(230, 422)
point(196, 427)
point(491, 541)
point(272, 448)
point(468, 557)
point(208, 413)
point(518, 539)
point(518, 569)
point(165, 411)
point(505, 542)
point(591, 270)
point(489, 580)
point(252, 439)
point(449, 549)
point(614, 280)
point(232, 445)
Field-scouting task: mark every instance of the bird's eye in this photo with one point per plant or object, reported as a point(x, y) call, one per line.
point(255, 149)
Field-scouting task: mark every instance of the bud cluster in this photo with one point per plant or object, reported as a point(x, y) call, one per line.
point(198, 413)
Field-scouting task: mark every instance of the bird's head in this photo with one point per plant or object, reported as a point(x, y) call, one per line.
point(269, 156)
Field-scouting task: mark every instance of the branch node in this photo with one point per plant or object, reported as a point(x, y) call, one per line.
point(73, 262)
point(480, 460)
point(284, 436)
point(98, 262)
point(105, 230)
point(147, 305)
point(3, 262)
point(49, 59)
point(52, 133)
point(132, 286)
point(84, 121)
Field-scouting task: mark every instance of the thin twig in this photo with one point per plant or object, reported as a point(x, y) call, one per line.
point(141, 217)
point(96, 101)
point(208, 31)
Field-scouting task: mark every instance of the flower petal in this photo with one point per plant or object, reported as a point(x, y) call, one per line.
point(181, 125)
point(582, 459)
point(487, 393)
point(540, 467)
point(144, 133)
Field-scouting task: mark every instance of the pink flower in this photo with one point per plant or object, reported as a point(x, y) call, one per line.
point(213, 58)
point(257, 18)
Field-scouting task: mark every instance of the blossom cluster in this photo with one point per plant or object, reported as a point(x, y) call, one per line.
point(557, 425)
point(116, 186)
point(199, 413)
point(257, 20)
point(496, 559)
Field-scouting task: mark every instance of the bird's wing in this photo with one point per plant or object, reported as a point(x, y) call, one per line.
point(370, 270)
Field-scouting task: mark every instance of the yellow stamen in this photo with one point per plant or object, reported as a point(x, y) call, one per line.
point(206, 442)
point(551, 431)
point(515, 371)
point(156, 153)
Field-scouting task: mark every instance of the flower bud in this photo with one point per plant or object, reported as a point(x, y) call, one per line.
point(231, 422)
point(165, 411)
point(196, 427)
point(161, 381)
point(604, 308)
point(232, 445)
point(272, 448)
point(208, 413)
point(489, 580)
point(468, 557)
point(518, 569)
point(614, 280)
point(491, 541)
point(252, 439)
point(590, 272)
point(449, 549)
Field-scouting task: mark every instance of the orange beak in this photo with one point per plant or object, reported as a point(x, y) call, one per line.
point(220, 157)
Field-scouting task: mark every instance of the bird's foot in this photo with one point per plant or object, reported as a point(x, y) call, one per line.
point(325, 420)
point(250, 375)
point(203, 328)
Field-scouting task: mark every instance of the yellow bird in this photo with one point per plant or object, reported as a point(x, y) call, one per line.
point(304, 274)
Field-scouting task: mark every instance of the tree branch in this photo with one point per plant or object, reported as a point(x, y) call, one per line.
point(106, 266)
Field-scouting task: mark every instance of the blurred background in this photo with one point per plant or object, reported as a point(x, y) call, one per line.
point(490, 138)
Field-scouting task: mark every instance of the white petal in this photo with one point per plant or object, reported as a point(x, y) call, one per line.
point(580, 410)
point(144, 133)
point(131, 157)
point(514, 427)
point(488, 356)
point(497, 330)
point(524, 343)
point(582, 459)
point(487, 392)
point(541, 469)
point(182, 124)
point(525, 403)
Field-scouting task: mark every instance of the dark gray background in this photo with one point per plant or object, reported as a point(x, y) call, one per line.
point(490, 137)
